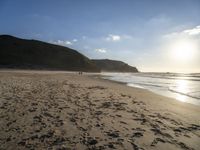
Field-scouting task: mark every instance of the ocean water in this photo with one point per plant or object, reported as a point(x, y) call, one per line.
point(182, 87)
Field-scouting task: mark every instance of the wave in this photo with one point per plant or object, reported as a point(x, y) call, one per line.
point(135, 85)
point(154, 85)
point(182, 93)
point(171, 77)
point(167, 84)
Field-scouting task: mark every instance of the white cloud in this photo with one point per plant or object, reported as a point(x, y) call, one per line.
point(63, 43)
point(74, 40)
point(101, 50)
point(187, 33)
point(194, 31)
point(171, 35)
point(112, 37)
point(68, 43)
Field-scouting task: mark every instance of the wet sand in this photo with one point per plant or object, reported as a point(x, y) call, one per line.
point(59, 110)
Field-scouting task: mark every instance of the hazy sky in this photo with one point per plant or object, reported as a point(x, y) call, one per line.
point(154, 35)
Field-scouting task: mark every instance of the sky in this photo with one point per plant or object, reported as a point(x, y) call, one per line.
point(153, 35)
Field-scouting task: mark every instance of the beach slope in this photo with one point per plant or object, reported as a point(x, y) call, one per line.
point(59, 110)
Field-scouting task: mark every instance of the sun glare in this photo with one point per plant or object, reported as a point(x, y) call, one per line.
point(182, 87)
point(183, 50)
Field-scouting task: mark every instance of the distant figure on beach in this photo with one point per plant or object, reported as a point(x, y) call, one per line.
point(80, 72)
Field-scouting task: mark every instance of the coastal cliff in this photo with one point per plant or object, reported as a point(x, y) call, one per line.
point(108, 65)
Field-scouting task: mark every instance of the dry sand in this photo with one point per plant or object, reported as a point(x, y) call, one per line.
point(57, 110)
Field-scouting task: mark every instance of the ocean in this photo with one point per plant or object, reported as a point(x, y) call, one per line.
point(182, 87)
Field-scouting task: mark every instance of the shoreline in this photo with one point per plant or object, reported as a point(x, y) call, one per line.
point(178, 96)
point(60, 110)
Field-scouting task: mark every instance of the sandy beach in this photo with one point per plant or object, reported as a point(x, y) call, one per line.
point(67, 111)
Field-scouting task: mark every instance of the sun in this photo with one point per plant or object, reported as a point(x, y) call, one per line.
point(183, 50)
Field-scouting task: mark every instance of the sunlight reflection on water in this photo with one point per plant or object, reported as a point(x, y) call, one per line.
point(182, 87)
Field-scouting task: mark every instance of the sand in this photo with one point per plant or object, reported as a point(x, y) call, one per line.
point(59, 110)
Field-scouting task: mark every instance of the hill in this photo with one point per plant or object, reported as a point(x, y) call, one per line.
point(33, 54)
point(113, 66)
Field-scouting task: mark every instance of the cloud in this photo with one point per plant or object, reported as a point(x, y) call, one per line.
point(63, 42)
point(194, 31)
point(170, 35)
point(187, 33)
point(68, 43)
point(60, 42)
point(112, 37)
point(74, 40)
point(101, 50)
